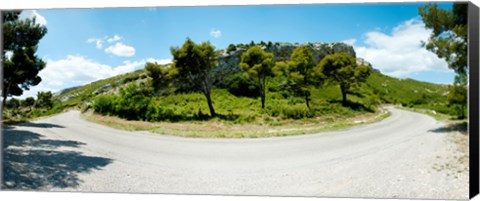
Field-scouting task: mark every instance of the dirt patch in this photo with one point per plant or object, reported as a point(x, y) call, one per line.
point(455, 162)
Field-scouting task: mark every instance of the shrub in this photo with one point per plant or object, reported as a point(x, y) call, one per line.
point(296, 112)
point(239, 85)
point(133, 102)
point(105, 104)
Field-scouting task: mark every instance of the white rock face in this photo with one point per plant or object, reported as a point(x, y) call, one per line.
point(229, 63)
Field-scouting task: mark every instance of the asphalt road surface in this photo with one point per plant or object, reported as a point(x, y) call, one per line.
point(393, 158)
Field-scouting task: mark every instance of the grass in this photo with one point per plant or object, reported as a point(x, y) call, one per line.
point(283, 114)
point(217, 128)
point(437, 115)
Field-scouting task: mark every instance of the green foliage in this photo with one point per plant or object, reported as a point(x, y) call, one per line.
point(299, 72)
point(28, 102)
point(457, 97)
point(194, 64)
point(130, 78)
point(21, 37)
point(131, 104)
point(105, 104)
point(231, 48)
point(449, 36)
point(342, 69)
point(449, 41)
point(44, 99)
point(257, 65)
point(12, 104)
point(159, 75)
point(239, 85)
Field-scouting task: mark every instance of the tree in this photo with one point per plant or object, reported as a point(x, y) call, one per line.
point(28, 102)
point(194, 64)
point(299, 72)
point(449, 35)
point(133, 101)
point(457, 97)
point(44, 99)
point(231, 48)
point(13, 104)
point(21, 38)
point(449, 41)
point(342, 69)
point(257, 65)
point(158, 75)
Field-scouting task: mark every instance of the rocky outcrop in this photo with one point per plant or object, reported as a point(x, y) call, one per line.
point(229, 62)
point(102, 89)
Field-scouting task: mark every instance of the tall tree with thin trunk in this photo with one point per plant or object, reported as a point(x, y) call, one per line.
point(257, 65)
point(449, 41)
point(20, 63)
point(342, 69)
point(299, 72)
point(449, 35)
point(194, 64)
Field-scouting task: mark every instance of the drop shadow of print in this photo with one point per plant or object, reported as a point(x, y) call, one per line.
point(31, 162)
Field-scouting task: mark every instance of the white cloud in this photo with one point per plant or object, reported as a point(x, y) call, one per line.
point(159, 61)
point(75, 70)
point(33, 14)
point(98, 42)
point(34, 90)
point(350, 41)
point(114, 38)
point(215, 33)
point(400, 53)
point(119, 49)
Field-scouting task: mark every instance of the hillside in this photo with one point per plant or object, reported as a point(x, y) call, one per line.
point(236, 102)
point(379, 88)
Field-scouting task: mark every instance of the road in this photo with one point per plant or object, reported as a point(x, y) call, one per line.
point(393, 158)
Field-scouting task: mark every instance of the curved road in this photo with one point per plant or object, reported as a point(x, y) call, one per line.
point(392, 158)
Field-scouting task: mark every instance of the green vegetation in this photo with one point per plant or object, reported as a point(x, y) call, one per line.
point(20, 70)
point(258, 65)
point(194, 64)
point(449, 41)
point(342, 69)
point(299, 73)
point(296, 96)
point(17, 111)
point(220, 129)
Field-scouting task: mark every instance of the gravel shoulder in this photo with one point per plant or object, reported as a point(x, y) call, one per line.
point(398, 157)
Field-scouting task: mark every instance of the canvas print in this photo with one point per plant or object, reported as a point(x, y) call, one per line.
point(318, 100)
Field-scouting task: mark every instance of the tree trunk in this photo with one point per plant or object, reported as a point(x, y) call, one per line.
point(307, 100)
point(262, 95)
point(210, 105)
point(3, 102)
point(5, 94)
point(263, 101)
point(344, 95)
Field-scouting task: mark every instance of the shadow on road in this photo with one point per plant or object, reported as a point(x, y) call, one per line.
point(31, 162)
point(39, 125)
point(460, 127)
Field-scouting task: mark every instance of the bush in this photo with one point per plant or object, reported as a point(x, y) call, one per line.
point(290, 111)
point(239, 85)
point(44, 99)
point(296, 112)
point(105, 104)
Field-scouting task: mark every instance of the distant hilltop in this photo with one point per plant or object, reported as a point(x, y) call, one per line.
point(229, 59)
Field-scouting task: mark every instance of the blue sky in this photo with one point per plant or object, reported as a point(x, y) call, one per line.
point(84, 45)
